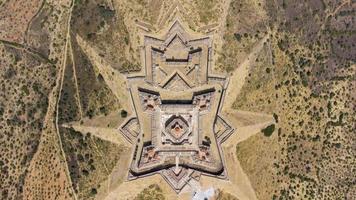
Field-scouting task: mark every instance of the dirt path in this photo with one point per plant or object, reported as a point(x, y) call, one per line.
point(28, 49)
point(64, 62)
point(237, 80)
point(107, 134)
point(241, 118)
point(245, 132)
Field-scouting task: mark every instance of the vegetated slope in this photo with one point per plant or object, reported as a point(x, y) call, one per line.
point(312, 81)
point(46, 36)
point(102, 26)
point(85, 88)
point(24, 103)
point(69, 104)
point(90, 161)
point(246, 24)
point(84, 96)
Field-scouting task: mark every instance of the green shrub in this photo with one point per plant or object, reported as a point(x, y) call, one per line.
point(268, 130)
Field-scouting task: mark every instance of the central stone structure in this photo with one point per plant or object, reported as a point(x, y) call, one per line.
point(176, 127)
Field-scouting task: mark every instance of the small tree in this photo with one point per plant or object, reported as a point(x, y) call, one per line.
point(123, 113)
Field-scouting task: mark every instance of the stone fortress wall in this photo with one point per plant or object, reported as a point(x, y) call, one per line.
point(176, 129)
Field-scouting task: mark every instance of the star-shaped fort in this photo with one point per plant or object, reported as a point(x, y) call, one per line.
point(177, 99)
point(180, 132)
point(176, 127)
